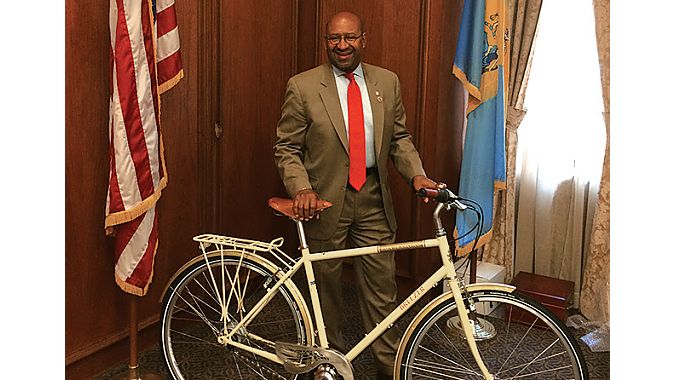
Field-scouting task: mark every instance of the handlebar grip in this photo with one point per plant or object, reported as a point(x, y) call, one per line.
point(439, 195)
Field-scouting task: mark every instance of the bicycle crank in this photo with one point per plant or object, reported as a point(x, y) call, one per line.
point(326, 372)
point(302, 359)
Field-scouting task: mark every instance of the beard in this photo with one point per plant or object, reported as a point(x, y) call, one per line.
point(345, 60)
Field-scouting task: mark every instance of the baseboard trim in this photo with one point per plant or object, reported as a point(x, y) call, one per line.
point(108, 341)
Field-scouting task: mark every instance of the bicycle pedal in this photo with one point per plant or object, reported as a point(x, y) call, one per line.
point(301, 359)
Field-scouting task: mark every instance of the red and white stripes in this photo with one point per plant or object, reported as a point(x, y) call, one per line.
point(137, 168)
point(169, 67)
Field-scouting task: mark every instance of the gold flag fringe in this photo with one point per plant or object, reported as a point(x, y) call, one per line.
point(128, 215)
point(168, 85)
point(135, 290)
point(131, 289)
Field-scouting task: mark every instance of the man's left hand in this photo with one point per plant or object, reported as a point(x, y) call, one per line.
point(422, 182)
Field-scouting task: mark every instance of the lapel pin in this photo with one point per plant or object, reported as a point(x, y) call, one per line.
point(380, 98)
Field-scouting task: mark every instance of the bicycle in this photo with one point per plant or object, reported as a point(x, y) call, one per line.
point(237, 300)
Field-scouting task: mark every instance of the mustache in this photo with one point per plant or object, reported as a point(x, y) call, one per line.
point(350, 49)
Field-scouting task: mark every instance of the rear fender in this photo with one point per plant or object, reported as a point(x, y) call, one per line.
point(226, 253)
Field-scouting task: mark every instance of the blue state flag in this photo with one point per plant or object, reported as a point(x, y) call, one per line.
point(480, 64)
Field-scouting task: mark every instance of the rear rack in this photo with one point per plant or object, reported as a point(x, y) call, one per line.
point(222, 243)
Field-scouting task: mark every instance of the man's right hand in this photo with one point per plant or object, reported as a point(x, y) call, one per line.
point(305, 204)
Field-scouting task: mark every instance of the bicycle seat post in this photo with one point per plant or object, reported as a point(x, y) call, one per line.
point(301, 234)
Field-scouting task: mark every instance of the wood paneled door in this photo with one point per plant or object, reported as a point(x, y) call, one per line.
point(411, 38)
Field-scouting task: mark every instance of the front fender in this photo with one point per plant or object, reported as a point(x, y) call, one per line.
point(470, 287)
point(490, 286)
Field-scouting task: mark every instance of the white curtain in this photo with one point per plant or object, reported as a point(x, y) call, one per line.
point(561, 145)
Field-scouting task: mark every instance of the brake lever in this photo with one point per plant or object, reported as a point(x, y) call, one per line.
point(456, 204)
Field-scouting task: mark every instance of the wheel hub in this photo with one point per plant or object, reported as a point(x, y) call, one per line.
point(239, 337)
point(482, 329)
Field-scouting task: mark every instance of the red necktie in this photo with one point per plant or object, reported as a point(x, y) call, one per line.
point(356, 127)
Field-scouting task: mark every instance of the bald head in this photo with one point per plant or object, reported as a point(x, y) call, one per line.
point(345, 16)
point(345, 40)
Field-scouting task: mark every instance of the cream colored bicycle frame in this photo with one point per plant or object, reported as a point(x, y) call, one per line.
point(446, 271)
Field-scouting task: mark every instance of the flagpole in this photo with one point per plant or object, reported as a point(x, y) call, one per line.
point(135, 372)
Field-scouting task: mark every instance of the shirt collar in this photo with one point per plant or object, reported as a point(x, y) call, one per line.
point(359, 71)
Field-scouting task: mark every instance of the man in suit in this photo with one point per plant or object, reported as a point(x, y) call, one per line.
point(339, 125)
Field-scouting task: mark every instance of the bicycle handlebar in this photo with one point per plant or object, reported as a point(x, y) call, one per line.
point(441, 196)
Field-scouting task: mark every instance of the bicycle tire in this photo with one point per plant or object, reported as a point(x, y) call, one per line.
point(529, 341)
point(191, 318)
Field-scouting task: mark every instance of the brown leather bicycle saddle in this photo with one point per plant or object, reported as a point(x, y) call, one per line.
point(285, 205)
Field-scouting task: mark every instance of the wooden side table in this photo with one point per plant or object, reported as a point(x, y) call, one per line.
point(555, 294)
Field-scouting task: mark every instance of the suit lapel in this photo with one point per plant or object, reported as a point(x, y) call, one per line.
point(376, 99)
point(329, 95)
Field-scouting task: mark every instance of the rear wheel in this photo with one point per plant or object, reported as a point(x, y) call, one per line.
point(191, 319)
point(516, 336)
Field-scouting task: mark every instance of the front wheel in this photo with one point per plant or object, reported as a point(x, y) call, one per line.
point(516, 336)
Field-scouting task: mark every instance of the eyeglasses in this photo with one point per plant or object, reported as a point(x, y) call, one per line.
point(334, 39)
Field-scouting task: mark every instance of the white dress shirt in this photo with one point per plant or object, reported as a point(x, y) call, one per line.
point(342, 82)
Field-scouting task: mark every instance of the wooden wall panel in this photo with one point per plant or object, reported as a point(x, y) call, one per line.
point(442, 115)
point(258, 55)
point(208, 113)
point(88, 258)
point(309, 43)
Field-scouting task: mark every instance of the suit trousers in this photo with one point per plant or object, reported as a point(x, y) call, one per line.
point(362, 223)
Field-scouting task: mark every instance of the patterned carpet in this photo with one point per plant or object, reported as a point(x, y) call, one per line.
point(153, 361)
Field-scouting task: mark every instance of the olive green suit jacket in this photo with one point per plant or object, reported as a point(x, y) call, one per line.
point(312, 144)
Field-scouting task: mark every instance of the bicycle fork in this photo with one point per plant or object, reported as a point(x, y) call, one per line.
point(463, 313)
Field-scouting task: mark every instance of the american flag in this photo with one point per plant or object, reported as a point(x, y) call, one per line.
point(146, 61)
